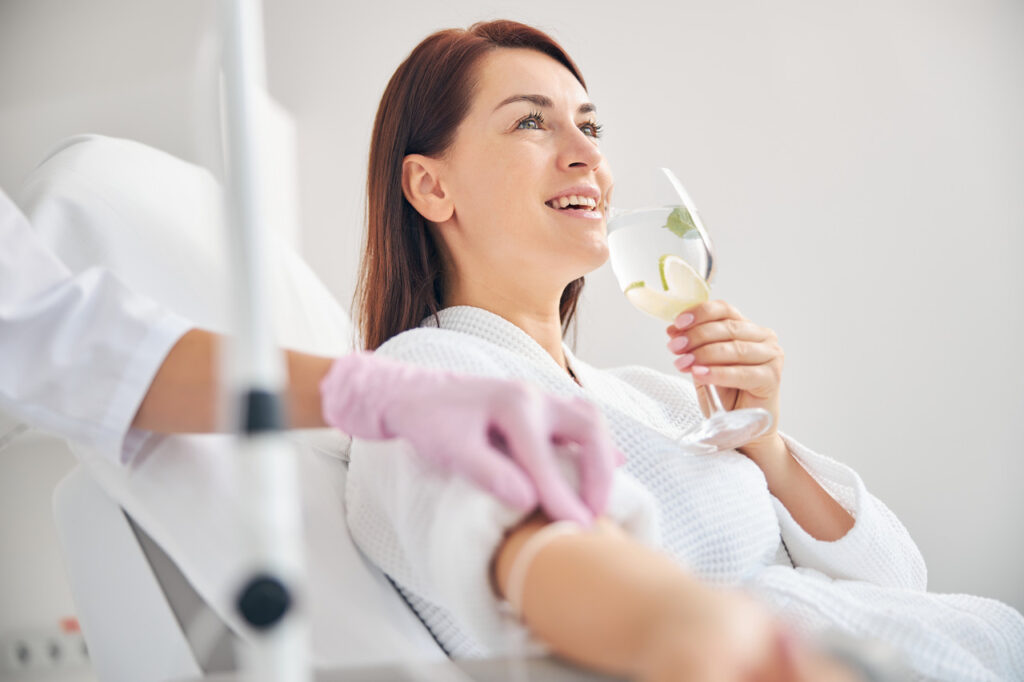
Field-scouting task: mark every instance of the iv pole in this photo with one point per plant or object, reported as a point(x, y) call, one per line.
point(269, 601)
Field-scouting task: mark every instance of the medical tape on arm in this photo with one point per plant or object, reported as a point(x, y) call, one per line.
point(526, 555)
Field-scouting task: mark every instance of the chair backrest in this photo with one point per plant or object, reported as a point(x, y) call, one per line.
point(116, 591)
point(155, 221)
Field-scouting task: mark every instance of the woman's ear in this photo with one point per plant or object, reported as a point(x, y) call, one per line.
point(422, 188)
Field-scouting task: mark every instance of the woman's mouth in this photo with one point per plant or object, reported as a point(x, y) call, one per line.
point(576, 206)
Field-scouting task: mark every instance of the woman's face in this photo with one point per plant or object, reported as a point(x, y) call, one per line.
point(528, 140)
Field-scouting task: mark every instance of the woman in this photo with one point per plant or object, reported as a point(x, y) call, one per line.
point(474, 263)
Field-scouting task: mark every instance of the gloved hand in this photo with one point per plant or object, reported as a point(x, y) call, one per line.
point(500, 434)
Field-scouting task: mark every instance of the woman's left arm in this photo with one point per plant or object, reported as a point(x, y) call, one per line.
point(716, 345)
point(860, 539)
point(808, 503)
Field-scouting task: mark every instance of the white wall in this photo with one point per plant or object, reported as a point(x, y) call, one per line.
point(859, 168)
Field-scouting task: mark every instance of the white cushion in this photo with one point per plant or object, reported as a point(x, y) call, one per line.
point(156, 222)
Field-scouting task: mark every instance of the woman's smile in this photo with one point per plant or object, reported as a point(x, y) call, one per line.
point(579, 201)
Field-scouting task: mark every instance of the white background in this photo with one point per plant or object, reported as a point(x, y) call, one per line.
point(860, 166)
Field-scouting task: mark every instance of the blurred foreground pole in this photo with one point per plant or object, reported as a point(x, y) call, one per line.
point(270, 598)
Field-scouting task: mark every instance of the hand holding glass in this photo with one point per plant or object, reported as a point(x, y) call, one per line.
point(663, 260)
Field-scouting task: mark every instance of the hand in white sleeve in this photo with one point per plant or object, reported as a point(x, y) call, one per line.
point(499, 434)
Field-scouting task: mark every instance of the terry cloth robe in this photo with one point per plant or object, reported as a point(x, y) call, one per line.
point(434, 534)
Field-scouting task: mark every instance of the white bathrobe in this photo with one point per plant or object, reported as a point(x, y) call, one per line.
point(434, 534)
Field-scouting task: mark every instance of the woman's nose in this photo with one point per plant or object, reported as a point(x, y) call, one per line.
point(579, 151)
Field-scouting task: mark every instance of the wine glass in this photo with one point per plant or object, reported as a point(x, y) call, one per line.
point(663, 259)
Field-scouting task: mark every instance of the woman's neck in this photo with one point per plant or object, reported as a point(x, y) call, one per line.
point(536, 316)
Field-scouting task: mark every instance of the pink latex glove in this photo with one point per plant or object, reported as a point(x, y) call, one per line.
point(500, 434)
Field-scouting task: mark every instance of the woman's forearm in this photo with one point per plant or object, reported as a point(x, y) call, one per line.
point(185, 393)
point(809, 504)
point(610, 603)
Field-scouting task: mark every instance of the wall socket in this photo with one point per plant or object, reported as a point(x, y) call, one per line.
point(42, 649)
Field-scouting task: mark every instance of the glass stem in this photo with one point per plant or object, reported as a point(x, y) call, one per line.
point(716, 402)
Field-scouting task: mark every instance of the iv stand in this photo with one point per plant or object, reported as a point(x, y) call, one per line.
point(275, 647)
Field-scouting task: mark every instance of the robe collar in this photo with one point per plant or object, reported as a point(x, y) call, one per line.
point(495, 329)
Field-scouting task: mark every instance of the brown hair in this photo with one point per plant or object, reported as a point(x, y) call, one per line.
point(401, 278)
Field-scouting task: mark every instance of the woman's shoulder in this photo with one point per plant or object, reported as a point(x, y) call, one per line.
point(444, 349)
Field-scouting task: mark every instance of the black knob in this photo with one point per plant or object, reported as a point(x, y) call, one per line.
point(264, 602)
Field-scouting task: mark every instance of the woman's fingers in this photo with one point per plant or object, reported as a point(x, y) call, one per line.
point(717, 346)
point(715, 333)
point(719, 330)
point(705, 312)
point(761, 381)
point(727, 353)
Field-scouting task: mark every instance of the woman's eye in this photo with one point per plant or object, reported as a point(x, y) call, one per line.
point(531, 122)
point(592, 129)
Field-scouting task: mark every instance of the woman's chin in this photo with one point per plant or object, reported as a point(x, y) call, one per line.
point(598, 253)
point(590, 264)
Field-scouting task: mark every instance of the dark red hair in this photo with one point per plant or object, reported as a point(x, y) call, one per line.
point(401, 276)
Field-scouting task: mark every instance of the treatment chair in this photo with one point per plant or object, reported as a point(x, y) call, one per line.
point(152, 550)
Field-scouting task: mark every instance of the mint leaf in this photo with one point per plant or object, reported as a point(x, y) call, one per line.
point(680, 223)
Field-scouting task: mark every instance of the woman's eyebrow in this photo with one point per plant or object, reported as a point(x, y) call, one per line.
point(543, 102)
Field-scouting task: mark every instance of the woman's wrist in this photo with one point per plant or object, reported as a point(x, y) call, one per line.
point(775, 461)
point(768, 453)
point(810, 505)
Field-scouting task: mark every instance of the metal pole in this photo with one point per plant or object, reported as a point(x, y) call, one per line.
point(270, 597)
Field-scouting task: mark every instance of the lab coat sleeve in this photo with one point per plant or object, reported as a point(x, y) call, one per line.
point(78, 352)
point(878, 549)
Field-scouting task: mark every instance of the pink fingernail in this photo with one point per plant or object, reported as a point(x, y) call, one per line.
point(700, 370)
point(683, 361)
point(677, 344)
point(684, 320)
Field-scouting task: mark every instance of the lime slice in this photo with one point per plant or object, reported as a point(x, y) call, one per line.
point(680, 279)
point(664, 305)
point(661, 269)
point(634, 285)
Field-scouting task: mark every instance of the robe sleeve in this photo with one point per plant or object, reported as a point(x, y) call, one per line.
point(878, 549)
point(434, 533)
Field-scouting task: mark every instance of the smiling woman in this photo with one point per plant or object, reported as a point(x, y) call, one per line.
point(487, 195)
point(528, 151)
point(427, 100)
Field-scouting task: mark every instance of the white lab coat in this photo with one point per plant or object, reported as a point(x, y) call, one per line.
point(77, 352)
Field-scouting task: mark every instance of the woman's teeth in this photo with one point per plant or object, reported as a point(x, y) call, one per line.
point(573, 200)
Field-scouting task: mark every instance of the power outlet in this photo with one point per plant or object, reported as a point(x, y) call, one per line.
point(40, 649)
